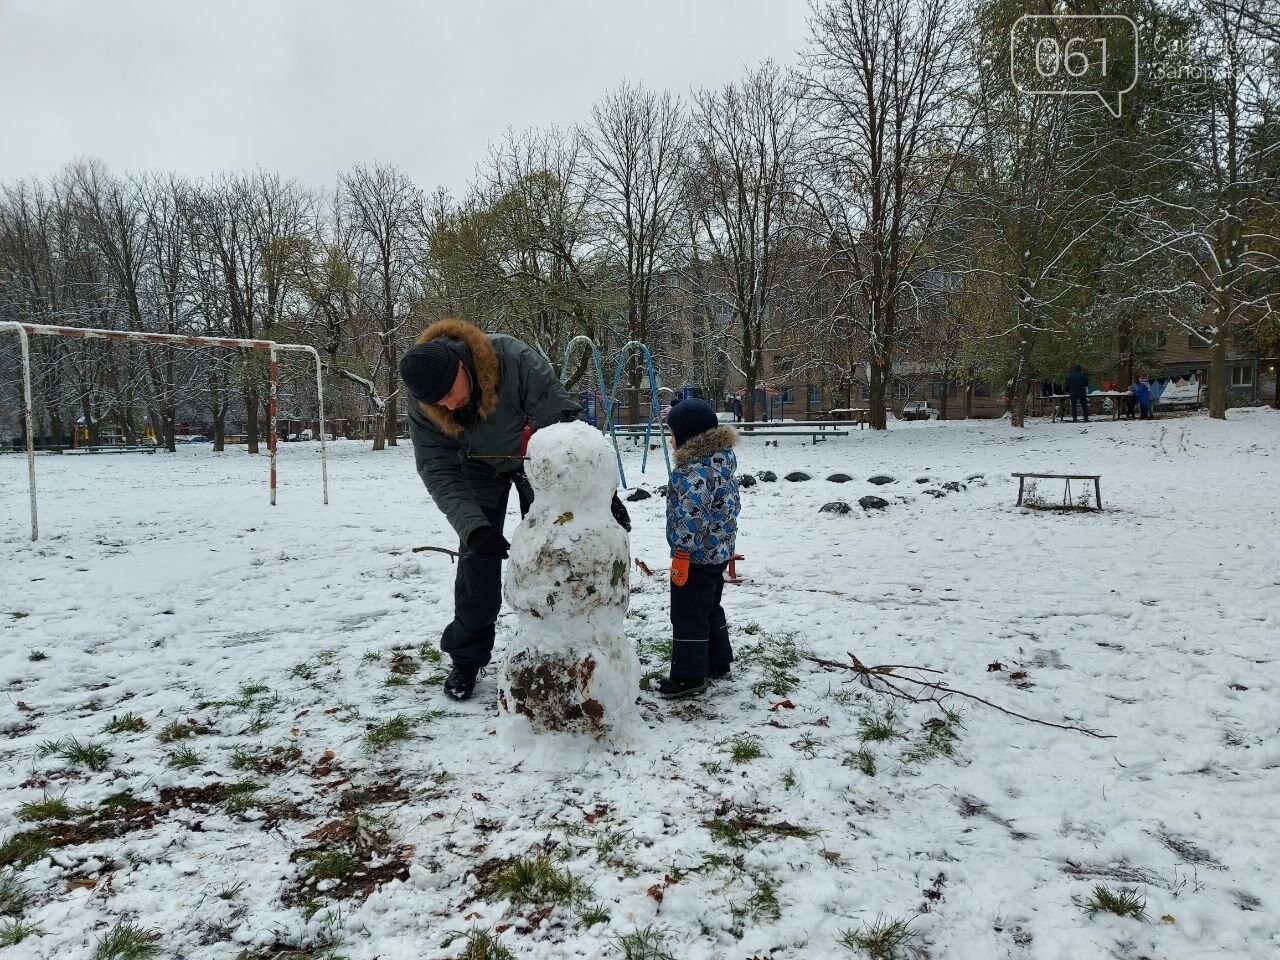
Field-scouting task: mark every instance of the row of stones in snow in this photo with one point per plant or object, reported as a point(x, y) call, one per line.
point(867, 502)
point(879, 503)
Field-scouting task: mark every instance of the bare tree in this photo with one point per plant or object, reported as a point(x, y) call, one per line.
point(637, 142)
point(886, 80)
point(385, 209)
point(746, 138)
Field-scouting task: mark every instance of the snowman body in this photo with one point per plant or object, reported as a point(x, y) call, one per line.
point(569, 668)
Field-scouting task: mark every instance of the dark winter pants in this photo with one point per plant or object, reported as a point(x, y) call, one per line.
point(1081, 403)
point(477, 596)
point(700, 633)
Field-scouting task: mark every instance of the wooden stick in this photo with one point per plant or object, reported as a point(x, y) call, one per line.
point(453, 554)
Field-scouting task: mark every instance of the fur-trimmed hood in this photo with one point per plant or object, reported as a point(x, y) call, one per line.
point(484, 361)
point(704, 444)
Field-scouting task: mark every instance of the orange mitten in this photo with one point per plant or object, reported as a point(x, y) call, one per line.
point(680, 568)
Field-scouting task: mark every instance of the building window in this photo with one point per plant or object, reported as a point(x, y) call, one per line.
point(935, 389)
point(815, 395)
point(1196, 342)
point(1242, 376)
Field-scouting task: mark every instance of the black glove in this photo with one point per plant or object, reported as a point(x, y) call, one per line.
point(486, 543)
point(570, 416)
point(620, 514)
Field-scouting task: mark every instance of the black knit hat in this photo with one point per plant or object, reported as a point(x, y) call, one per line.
point(690, 417)
point(429, 369)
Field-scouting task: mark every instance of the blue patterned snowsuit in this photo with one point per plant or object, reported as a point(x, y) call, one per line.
point(702, 518)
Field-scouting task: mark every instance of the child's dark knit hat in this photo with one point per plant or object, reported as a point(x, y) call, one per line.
point(690, 417)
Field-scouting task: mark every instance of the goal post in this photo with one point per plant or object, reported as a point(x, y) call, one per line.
point(27, 330)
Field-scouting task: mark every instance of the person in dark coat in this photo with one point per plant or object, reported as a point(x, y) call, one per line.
point(702, 528)
point(1078, 390)
point(474, 396)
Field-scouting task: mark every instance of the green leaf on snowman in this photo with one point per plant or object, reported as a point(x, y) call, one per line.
point(564, 518)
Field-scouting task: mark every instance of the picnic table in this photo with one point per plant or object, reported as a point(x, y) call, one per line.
point(1067, 477)
point(111, 448)
point(1061, 402)
point(850, 415)
point(817, 430)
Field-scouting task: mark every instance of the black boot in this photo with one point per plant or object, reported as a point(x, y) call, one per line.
point(673, 688)
point(460, 682)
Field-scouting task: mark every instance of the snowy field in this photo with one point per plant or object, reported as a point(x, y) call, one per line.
point(223, 724)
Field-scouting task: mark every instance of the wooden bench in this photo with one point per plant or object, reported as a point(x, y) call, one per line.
point(1067, 477)
point(135, 448)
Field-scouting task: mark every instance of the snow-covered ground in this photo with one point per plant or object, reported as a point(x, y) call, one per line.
point(333, 801)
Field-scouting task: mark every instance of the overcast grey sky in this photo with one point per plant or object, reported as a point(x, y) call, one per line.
point(309, 87)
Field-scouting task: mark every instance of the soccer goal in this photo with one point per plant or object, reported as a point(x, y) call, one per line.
point(27, 330)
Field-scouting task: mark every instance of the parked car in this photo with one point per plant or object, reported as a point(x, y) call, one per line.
point(918, 410)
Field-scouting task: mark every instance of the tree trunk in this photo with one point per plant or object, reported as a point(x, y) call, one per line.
point(216, 411)
point(251, 414)
point(968, 397)
point(1018, 396)
point(379, 432)
point(1218, 377)
point(877, 417)
point(942, 401)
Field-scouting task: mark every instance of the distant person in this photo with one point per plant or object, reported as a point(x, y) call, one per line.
point(1141, 392)
point(737, 410)
point(1078, 390)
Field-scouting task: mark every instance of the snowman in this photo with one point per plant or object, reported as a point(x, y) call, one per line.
point(569, 668)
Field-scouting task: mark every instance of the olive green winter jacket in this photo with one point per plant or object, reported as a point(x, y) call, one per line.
point(467, 467)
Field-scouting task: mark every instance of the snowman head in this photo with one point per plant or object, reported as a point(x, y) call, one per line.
point(571, 466)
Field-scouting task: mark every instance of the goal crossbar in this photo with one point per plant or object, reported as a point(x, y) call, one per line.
point(27, 330)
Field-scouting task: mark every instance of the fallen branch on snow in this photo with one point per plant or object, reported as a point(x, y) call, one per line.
point(884, 673)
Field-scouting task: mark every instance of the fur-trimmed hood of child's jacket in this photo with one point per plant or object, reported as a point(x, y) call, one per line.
point(706, 443)
point(483, 366)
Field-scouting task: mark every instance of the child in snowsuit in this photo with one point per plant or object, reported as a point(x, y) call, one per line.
point(1141, 394)
point(702, 529)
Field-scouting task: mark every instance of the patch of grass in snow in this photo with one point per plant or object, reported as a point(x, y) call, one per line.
point(239, 796)
point(185, 759)
point(35, 656)
point(14, 895)
point(777, 656)
point(712, 862)
point(940, 737)
point(480, 944)
point(430, 653)
point(396, 729)
point(878, 727)
point(862, 759)
point(129, 723)
point(124, 800)
point(744, 747)
point(884, 939)
point(593, 915)
point(751, 629)
point(1123, 902)
point(648, 680)
point(536, 880)
point(763, 905)
point(746, 830)
point(177, 730)
point(231, 891)
point(13, 932)
point(846, 696)
point(23, 849)
point(49, 808)
point(306, 670)
point(330, 865)
point(788, 780)
point(125, 941)
point(808, 745)
point(249, 692)
point(87, 754)
point(646, 943)
point(372, 656)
